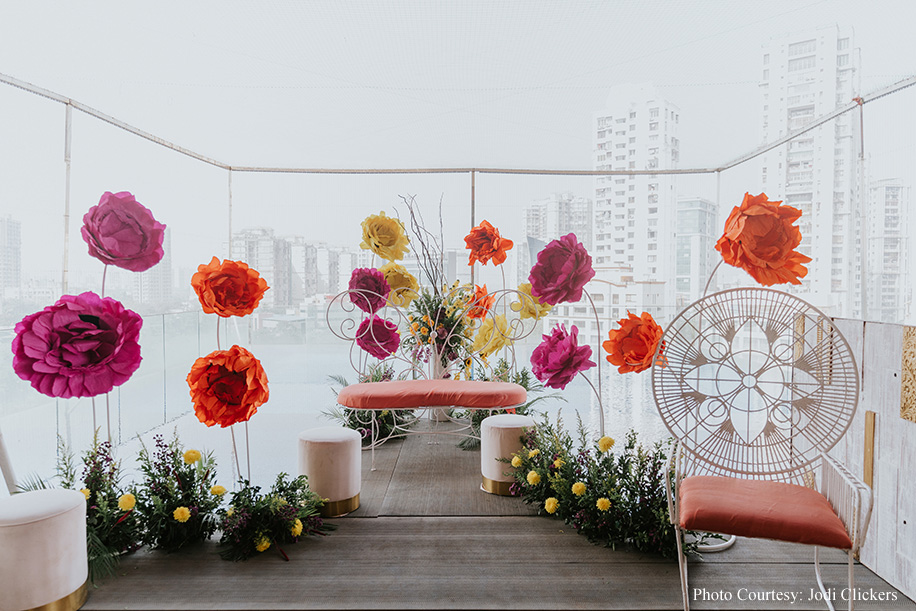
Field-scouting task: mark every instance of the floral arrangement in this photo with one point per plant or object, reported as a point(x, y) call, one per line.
point(255, 522)
point(177, 497)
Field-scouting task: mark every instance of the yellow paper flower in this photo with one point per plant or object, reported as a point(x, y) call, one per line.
point(605, 443)
point(385, 236)
point(404, 286)
point(262, 543)
point(297, 528)
point(126, 502)
point(534, 478)
point(578, 488)
point(217, 490)
point(516, 462)
point(492, 336)
point(603, 504)
point(558, 463)
point(529, 306)
point(533, 453)
point(191, 457)
point(86, 493)
point(551, 504)
point(182, 514)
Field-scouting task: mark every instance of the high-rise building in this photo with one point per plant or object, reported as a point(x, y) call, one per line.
point(635, 215)
point(889, 286)
point(10, 256)
point(806, 75)
point(698, 229)
point(154, 286)
point(271, 257)
point(552, 217)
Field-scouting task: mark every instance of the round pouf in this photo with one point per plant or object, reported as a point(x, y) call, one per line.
point(43, 562)
point(500, 437)
point(330, 457)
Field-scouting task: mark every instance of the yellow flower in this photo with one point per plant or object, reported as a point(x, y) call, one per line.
point(578, 488)
point(182, 514)
point(558, 463)
point(385, 236)
point(534, 478)
point(605, 443)
point(516, 462)
point(385, 412)
point(551, 504)
point(217, 490)
point(533, 453)
point(261, 543)
point(529, 306)
point(191, 457)
point(86, 493)
point(126, 502)
point(492, 336)
point(424, 330)
point(297, 528)
point(230, 512)
point(404, 287)
point(603, 504)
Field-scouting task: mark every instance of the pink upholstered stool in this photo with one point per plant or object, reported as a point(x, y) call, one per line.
point(330, 457)
point(500, 437)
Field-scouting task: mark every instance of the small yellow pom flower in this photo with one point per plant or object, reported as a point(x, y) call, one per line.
point(605, 443)
point(297, 528)
point(230, 512)
point(217, 490)
point(551, 504)
point(191, 457)
point(516, 462)
point(533, 453)
point(86, 493)
point(262, 544)
point(603, 504)
point(578, 488)
point(126, 502)
point(182, 514)
point(558, 463)
point(534, 478)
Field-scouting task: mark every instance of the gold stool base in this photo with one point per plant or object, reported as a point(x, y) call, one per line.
point(336, 509)
point(494, 487)
point(70, 602)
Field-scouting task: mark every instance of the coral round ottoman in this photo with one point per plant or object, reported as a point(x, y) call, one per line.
point(500, 437)
point(43, 560)
point(330, 457)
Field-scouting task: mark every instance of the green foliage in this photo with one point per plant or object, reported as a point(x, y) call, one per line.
point(171, 483)
point(362, 420)
point(254, 522)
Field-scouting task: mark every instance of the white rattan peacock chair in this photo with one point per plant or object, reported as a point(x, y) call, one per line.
point(756, 386)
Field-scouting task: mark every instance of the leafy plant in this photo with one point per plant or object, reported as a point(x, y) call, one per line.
point(385, 420)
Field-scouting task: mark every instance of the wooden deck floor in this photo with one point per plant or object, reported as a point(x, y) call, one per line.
point(426, 537)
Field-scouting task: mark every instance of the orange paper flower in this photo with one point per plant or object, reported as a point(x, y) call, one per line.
point(480, 303)
point(632, 346)
point(759, 237)
point(227, 386)
point(230, 288)
point(485, 244)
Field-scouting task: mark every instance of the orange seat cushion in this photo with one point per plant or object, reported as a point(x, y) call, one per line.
point(758, 508)
point(410, 394)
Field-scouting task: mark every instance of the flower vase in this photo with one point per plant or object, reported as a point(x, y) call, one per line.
point(437, 372)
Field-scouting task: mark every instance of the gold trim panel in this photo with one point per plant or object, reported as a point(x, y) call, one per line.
point(494, 487)
point(908, 374)
point(70, 602)
point(335, 509)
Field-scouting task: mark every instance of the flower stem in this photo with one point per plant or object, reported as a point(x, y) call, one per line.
point(598, 359)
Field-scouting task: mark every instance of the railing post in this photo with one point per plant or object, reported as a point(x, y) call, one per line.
point(68, 122)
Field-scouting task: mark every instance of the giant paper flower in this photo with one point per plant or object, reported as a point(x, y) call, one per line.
point(404, 286)
point(492, 336)
point(368, 289)
point(227, 386)
point(122, 232)
point(562, 270)
point(230, 288)
point(480, 302)
point(378, 337)
point(385, 236)
point(759, 237)
point(485, 244)
point(529, 306)
point(632, 346)
point(81, 346)
point(559, 357)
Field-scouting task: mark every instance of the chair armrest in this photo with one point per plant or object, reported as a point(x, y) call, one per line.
point(849, 496)
point(673, 465)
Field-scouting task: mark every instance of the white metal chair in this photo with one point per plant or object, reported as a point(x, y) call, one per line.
point(757, 386)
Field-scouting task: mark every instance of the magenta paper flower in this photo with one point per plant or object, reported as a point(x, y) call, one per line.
point(120, 231)
point(81, 346)
point(369, 289)
point(558, 358)
point(378, 337)
point(562, 270)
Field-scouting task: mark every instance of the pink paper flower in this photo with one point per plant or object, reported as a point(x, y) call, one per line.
point(562, 270)
point(120, 231)
point(378, 337)
point(369, 289)
point(81, 346)
point(558, 358)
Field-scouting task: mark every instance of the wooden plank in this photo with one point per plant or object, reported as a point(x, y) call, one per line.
point(868, 475)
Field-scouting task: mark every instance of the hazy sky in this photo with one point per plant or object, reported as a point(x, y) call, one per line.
point(380, 85)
